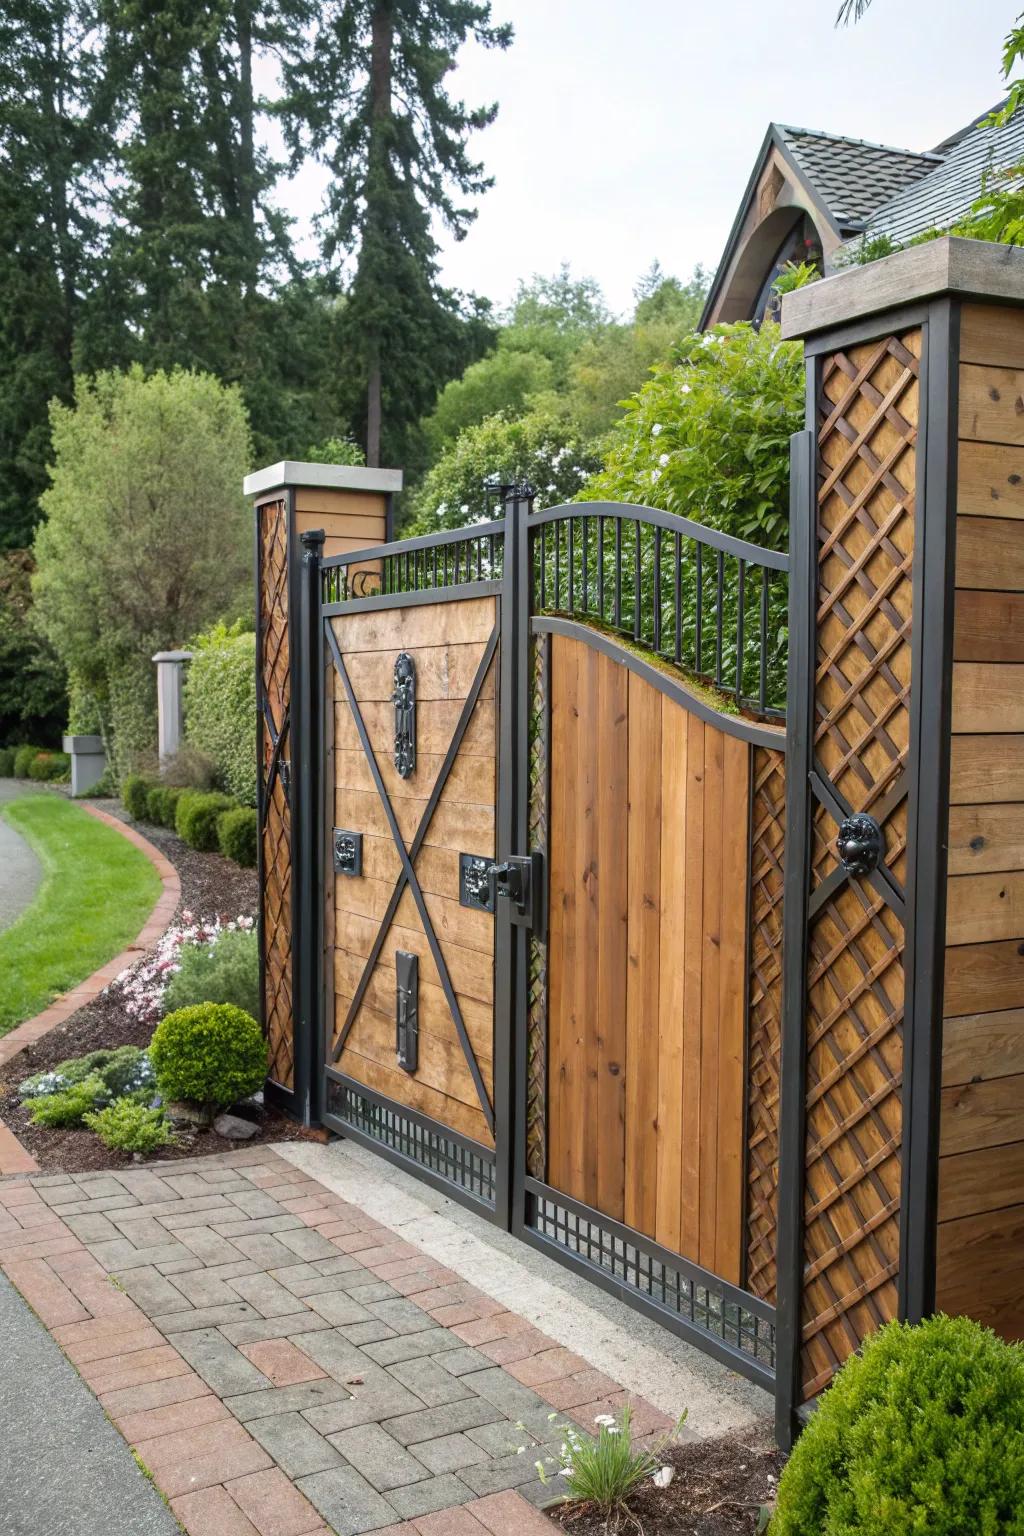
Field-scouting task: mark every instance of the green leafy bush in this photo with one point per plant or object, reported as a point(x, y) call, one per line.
point(189, 769)
point(195, 817)
point(921, 1432)
point(135, 788)
point(220, 706)
point(225, 972)
point(213, 1054)
point(162, 804)
point(124, 1070)
point(127, 1126)
point(7, 762)
point(48, 767)
point(69, 1106)
point(607, 1470)
point(237, 834)
point(22, 758)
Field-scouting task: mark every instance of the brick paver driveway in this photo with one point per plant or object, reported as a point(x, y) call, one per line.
point(286, 1366)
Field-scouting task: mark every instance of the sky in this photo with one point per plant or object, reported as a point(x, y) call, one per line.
point(627, 129)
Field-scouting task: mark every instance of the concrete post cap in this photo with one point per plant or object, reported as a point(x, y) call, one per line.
point(324, 477)
point(173, 656)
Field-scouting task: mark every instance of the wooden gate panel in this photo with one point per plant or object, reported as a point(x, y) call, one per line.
point(646, 959)
point(448, 642)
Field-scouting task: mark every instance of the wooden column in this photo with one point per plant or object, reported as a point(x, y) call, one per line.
point(902, 1163)
point(352, 506)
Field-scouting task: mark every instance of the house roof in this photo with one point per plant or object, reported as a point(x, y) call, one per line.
point(852, 176)
point(937, 200)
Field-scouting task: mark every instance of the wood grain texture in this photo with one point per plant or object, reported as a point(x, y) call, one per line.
point(992, 335)
point(986, 837)
point(990, 552)
point(979, 1269)
point(981, 1114)
point(986, 770)
point(976, 1046)
point(646, 959)
point(989, 626)
point(991, 404)
point(985, 907)
point(989, 481)
point(987, 698)
point(984, 977)
point(986, 1179)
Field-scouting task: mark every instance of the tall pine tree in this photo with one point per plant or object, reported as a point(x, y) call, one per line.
point(370, 98)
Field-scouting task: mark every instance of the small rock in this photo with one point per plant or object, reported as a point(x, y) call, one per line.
point(234, 1128)
point(254, 1101)
point(180, 1112)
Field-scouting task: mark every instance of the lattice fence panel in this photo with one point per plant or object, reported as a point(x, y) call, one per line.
point(867, 430)
point(537, 1004)
point(764, 1017)
point(275, 702)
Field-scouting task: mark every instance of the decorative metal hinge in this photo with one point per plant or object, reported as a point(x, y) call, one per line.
point(407, 1029)
point(475, 889)
point(404, 700)
point(860, 844)
point(348, 852)
point(284, 773)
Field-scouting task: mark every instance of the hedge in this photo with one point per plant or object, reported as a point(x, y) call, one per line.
point(220, 706)
point(195, 819)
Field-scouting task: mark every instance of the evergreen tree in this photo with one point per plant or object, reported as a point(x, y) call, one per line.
point(370, 99)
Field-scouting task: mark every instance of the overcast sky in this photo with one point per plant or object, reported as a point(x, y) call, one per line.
point(627, 128)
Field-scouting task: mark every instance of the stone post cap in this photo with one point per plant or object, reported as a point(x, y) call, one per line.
point(324, 477)
point(968, 269)
point(173, 656)
point(82, 745)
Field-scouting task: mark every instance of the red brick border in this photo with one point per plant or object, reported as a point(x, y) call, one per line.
point(14, 1158)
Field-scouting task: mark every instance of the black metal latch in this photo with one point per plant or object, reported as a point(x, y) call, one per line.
point(407, 1024)
point(518, 879)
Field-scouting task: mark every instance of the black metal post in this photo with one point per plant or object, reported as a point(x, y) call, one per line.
point(792, 1100)
point(307, 841)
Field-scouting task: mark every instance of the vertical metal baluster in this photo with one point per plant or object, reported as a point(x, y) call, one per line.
point(491, 543)
point(618, 573)
point(479, 559)
point(600, 569)
point(434, 567)
point(740, 599)
point(677, 599)
point(543, 566)
point(638, 560)
point(570, 562)
point(444, 566)
point(762, 682)
point(586, 566)
point(698, 637)
point(558, 565)
point(657, 588)
point(719, 596)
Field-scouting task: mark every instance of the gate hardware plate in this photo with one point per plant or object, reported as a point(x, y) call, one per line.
point(407, 1028)
point(404, 700)
point(475, 889)
point(348, 852)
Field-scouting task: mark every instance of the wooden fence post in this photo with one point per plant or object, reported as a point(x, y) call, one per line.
point(902, 1160)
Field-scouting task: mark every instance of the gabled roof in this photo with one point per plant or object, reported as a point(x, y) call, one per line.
point(947, 192)
point(852, 176)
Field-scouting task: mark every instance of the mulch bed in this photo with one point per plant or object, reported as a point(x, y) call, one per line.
point(718, 1489)
point(210, 886)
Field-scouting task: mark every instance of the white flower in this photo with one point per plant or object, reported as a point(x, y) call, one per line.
point(613, 1429)
point(565, 1472)
point(663, 1477)
point(656, 429)
point(684, 389)
point(605, 1419)
point(655, 476)
point(520, 1449)
point(663, 460)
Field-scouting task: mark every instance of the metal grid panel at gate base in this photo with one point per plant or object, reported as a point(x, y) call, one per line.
point(867, 413)
point(683, 1297)
point(275, 831)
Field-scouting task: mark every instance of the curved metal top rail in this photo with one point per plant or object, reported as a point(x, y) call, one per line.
point(756, 554)
point(424, 541)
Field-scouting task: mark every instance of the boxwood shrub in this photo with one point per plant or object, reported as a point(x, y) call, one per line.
point(212, 1054)
point(195, 817)
point(47, 767)
point(7, 762)
point(135, 788)
point(237, 834)
point(128, 1126)
point(22, 758)
point(220, 706)
point(921, 1432)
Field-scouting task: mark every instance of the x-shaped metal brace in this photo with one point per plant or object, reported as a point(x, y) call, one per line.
point(407, 874)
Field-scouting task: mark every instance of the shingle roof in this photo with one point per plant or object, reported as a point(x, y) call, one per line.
point(852, 176)
point(954, 184)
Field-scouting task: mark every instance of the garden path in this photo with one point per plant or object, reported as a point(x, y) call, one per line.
point(20, 870)
point(285, 1363)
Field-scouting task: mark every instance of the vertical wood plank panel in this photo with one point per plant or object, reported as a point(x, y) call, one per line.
point(563, 1061)
point(673, 767)
point(732, 1014)
point(715, 894)
point(693, 984)
point(611, 816)
point(586, 1129)
point(643, 982)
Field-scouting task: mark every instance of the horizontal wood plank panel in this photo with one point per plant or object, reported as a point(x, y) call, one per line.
point(986, 1179)
point(980, 1271)
point(987, 698)
point(989, 481)
point(380, 992)
point(992, 335)
point(989, 626)
point(991, 404)
point(453, 825)
point(440, 1060)
point(984, 977)
point(986, 769)
point(395, 1084)
point(436, 720)
point(320, 503)
point(985, 907)
point(417, 627)
point(981, 1114)
point(989, 553)
point(983, 1045)
point(442, 672)
point(471, 780)
point(986, 837)
point(471, 971)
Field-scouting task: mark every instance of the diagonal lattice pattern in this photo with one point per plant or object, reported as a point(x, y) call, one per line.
point(764, 1017)
point(537, 1002)
point(867, 430)
point(275, 701)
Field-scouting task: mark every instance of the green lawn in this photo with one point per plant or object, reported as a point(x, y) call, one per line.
point(96, 893)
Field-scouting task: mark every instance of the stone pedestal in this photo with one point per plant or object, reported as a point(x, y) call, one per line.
point(88, 762)
point(170, 677)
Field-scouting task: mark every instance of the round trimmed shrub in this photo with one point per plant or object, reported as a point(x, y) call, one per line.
point(135, 788)
point(225, 972)
point(7, 762)
point(921, 1432)
point(22, 758)
point(195, 818)
point(47, 767)
point(212, 1054)
point(162, 804)
point(237, 835)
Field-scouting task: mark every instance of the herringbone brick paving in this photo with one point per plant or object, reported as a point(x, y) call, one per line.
point(286, 1366)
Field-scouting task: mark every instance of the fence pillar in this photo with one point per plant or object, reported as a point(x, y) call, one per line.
point(901, 1164)
point(170, 678)
point(352, 506)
